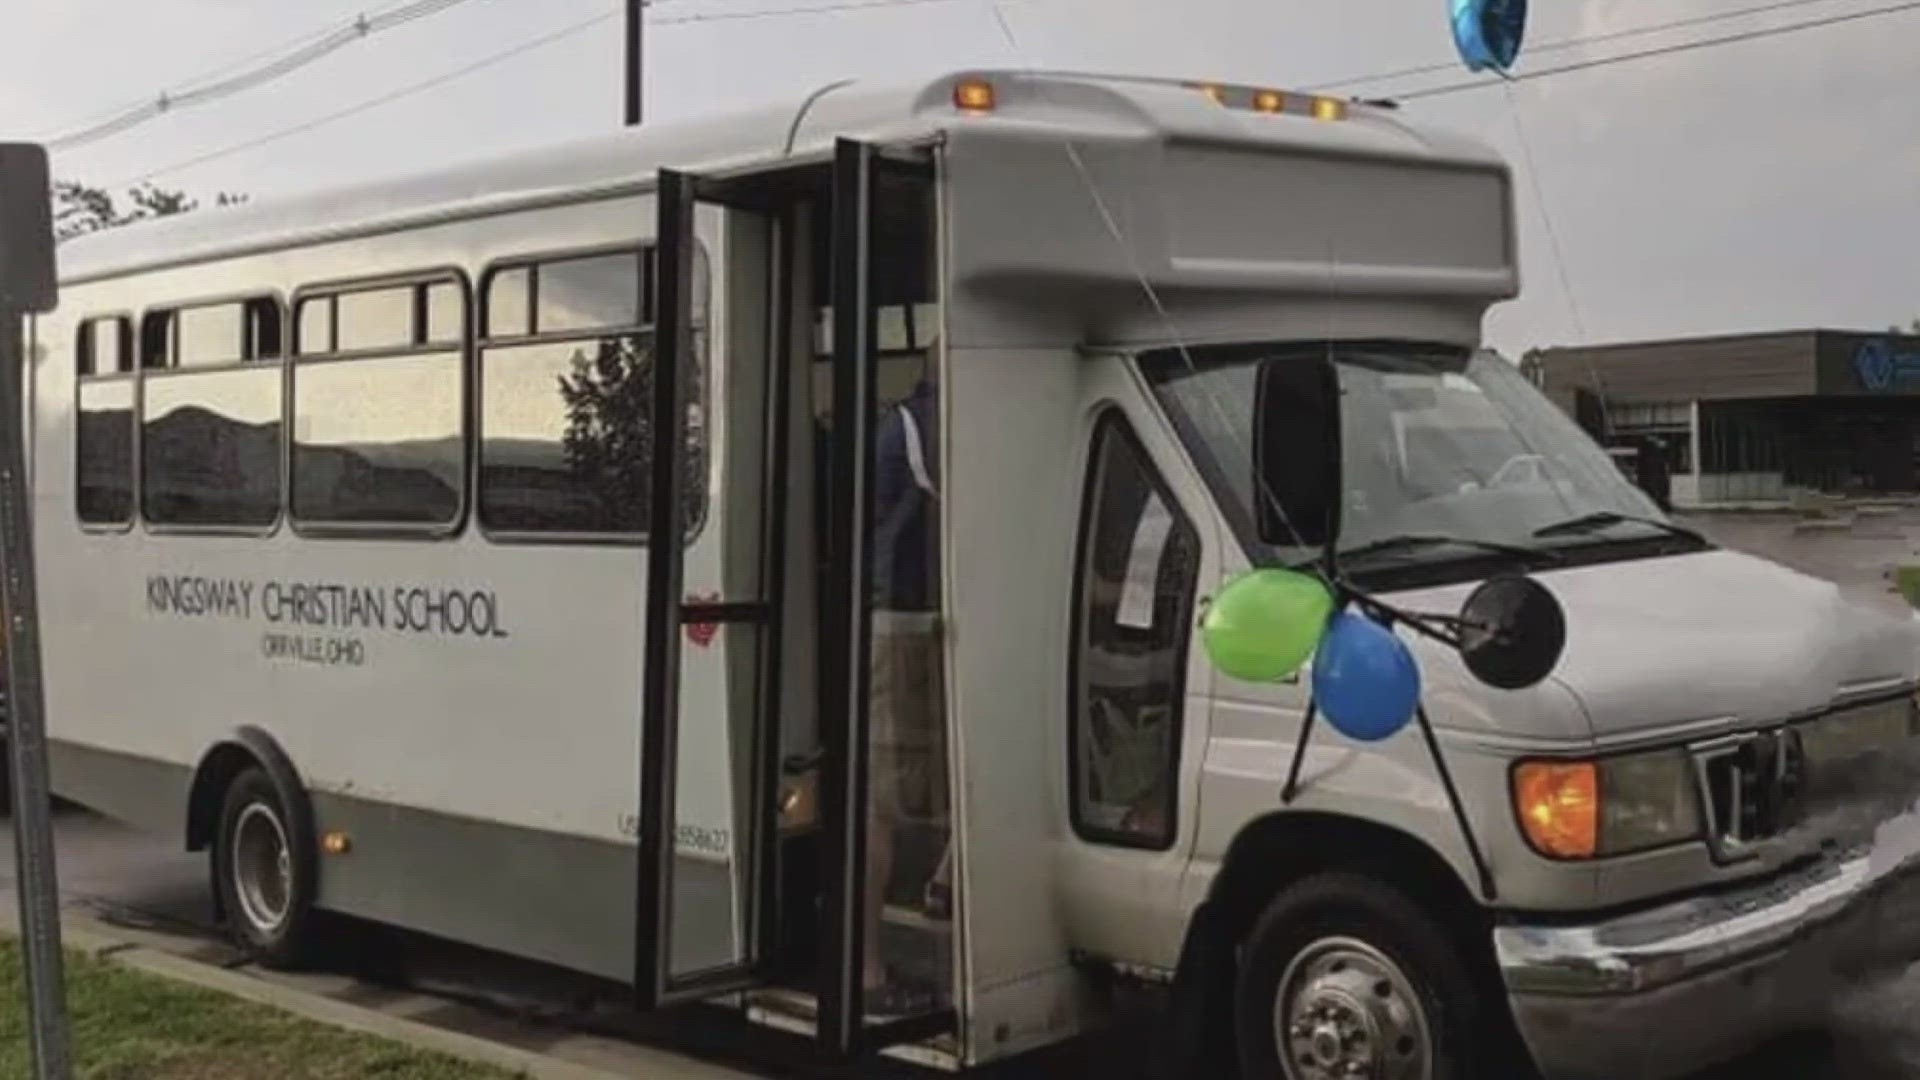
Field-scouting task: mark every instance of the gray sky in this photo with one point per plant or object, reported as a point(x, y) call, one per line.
point(1768, 184)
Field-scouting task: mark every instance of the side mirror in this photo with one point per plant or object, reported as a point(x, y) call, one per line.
point(28, 282)
point(1296, 451)
point(1514, 632)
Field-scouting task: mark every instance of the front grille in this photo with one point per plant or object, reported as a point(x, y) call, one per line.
point(1754, 786)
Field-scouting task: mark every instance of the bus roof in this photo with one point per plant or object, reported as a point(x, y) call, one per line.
point(624, 162)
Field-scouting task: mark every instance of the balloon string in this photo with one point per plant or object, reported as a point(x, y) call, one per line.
point(1488, 890)
point(1431, 626)
point(1292, 787)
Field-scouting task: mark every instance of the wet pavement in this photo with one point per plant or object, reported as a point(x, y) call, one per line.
point(1857, 552)
point(121, 876)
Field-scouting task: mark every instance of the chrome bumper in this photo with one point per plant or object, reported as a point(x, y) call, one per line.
point(1663, 992)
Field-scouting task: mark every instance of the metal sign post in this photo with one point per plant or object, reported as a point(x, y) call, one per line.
point(27, 284)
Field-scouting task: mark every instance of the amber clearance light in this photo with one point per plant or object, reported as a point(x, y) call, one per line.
point(1558, 803)
point(973, 96)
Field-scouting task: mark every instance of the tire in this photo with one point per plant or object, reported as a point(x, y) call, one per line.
point(264, 873)
point(1370, 980)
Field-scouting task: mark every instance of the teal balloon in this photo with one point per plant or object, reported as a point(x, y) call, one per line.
point(1263, 625)
point(1365, 680)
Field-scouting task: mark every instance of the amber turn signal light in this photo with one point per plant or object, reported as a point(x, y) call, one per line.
point(1558, 803)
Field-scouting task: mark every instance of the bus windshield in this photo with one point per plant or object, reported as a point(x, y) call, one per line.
point(1447, 453)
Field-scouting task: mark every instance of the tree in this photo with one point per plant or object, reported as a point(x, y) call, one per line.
point(609, 438)
point(79, 209)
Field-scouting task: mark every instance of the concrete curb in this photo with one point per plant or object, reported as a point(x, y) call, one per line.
point(146, 952)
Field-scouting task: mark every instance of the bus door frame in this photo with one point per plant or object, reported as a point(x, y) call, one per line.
point(846, 182)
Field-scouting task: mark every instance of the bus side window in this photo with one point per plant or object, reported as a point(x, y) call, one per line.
point(210, 415)
point(566, 372)
point(1139, 562)
point(378, 406)
point(103, 447)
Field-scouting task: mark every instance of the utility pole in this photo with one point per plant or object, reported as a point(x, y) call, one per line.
point(27, 284)
point(636, 60)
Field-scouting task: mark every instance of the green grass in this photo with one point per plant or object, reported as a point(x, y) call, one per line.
point(129, 1025)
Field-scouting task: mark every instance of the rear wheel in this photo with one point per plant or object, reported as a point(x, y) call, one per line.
point(263, 871)
point(1344, 978)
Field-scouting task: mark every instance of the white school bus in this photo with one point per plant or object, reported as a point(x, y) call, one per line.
point(760, 560)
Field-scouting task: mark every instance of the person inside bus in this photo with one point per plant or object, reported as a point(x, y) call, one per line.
point(907, 737)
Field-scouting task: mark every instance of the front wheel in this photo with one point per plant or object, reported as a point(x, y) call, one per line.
point(264, 873)
point(1344, 978)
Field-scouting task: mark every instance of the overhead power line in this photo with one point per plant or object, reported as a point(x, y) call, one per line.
point(568, 31)
point(1562, 44)
point(767, 13)
point(1664, 50)
point(857, 5)
point(272, 64)
point(256, 72)
point(376, 102)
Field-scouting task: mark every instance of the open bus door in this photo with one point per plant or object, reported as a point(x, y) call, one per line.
point(682, 954)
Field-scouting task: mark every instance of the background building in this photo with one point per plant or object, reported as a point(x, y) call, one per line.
point(1752, 418)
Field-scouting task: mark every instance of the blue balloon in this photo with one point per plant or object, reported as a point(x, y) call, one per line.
point(1365, 680)
point(1488, 33)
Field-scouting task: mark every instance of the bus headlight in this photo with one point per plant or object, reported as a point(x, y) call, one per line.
point(1585, 809)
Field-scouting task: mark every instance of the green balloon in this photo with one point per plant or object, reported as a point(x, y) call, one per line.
point(1265, 624)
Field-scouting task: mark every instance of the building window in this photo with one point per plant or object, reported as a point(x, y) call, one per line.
point(103, 439)
point(210, 415)
point(1139, 563)
point(379, 438)
point(566, 385)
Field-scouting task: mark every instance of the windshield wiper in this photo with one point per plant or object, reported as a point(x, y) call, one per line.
point(1413, 541)
point(1601, 519)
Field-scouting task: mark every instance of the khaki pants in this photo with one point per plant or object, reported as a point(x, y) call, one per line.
point(907, 733)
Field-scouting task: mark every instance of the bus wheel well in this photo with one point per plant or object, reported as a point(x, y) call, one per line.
point(248, 748)
point(210, 782)
point(1266, 857)
point(1280, 849)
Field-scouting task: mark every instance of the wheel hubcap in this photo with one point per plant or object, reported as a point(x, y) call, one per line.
point(262, 868)
point(1347, 1012)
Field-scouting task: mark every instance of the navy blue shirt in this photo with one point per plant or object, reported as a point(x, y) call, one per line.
point(906, 555)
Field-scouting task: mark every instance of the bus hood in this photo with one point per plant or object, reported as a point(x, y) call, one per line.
point(1719, 636)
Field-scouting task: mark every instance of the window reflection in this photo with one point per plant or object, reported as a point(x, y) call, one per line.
point(509, 303)
point(209, 336)
point(211, 447)
point(589, 294)
point(378, 440)
point(566, 443)
point(316, 325)
point(104, 471)
point(380, 319)
point(446, 315)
